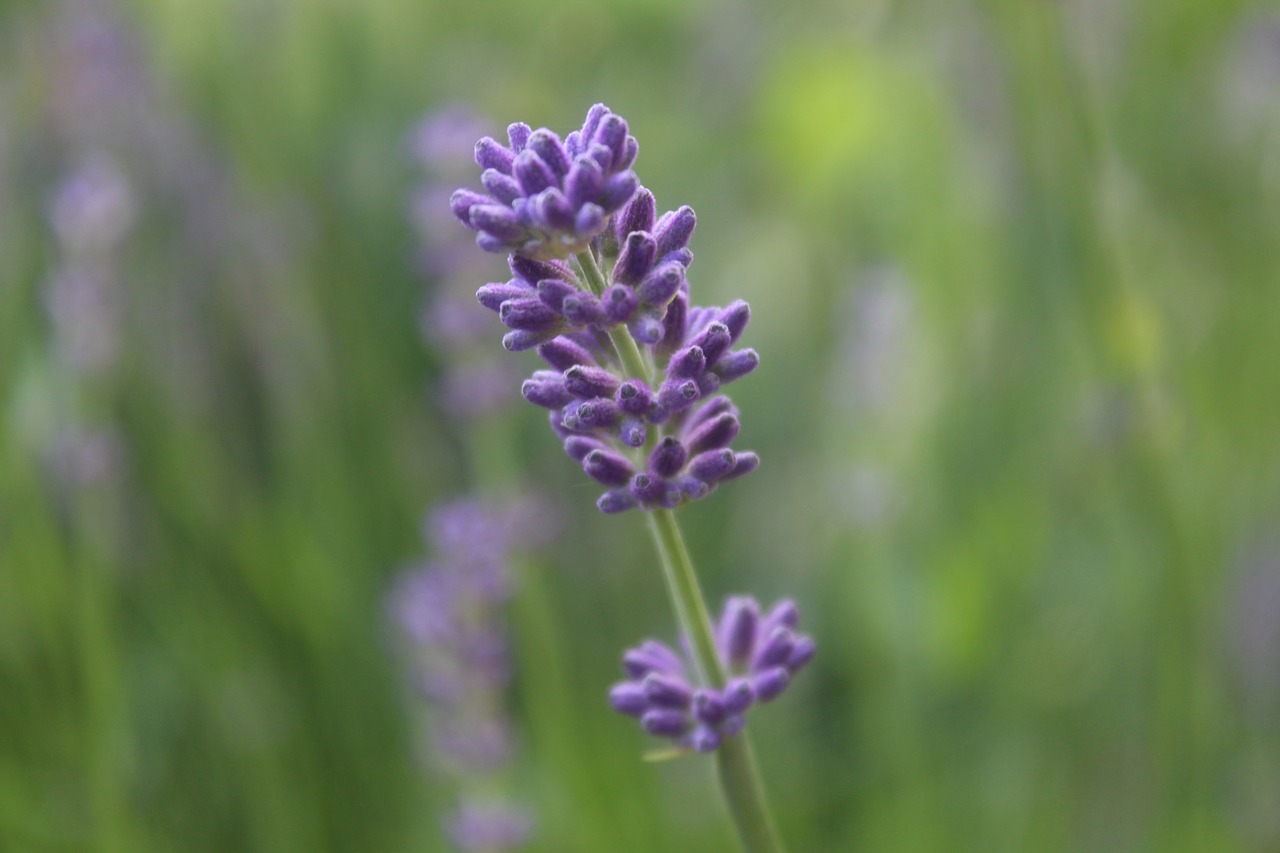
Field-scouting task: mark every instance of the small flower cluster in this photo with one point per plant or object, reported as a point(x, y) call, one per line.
point(547, 198)
point(760, 654)
point(651, 428)
point(449, 613)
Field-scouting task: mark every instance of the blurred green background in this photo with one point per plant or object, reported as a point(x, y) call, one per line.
point(1013, 268)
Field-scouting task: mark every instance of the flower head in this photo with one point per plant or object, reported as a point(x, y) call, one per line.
point(546, 198)
point(759, 653)
point(634, 367)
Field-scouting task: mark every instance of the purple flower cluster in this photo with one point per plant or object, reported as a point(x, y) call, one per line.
point(657, 439)
point(449, 613)
point(547, 198)
point(760, 654)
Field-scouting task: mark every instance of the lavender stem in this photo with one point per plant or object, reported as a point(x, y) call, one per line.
point(735, 759)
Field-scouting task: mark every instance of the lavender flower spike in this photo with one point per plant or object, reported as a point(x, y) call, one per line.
point(547, 198)
point(759, 653)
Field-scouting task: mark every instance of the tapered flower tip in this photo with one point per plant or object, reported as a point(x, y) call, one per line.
point(615, 500)
point(628, 697)
point(674, 229)
point(461, 202)
point(491, 154)
point(665, 722)
point(801, 653)
point(637, 215)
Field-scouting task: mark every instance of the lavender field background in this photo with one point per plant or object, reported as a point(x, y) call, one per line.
point(1013, 269)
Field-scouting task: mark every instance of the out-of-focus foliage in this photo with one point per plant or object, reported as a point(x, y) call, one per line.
point(1014, 275)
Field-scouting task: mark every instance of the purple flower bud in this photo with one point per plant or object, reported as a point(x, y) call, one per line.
point(578, 446)
point(707, 706)
point(628, 697)
point(518, 135)
point(619, 303)
point(501, 186)
point(461, 203)
point(737, 634)
point(784, 613)
point(645, 328)
point(705, 739)
point(519, 340)
point(491, 154)
point(548, 393)
point(495, 293)
point(528, 314)
point(636, 257)
point(585, 182)
point(735, 318)
point(601, 155)
point(693, 489)
point(590, 219)
point(667, 458)
point(664, 722)
point(683, 257)
point(674, 229)
point(612, 134)
point(648, 490)
point(563, 353)
point(615, 500)
point(713, 434)
point(531, 270)
point(651, 656)
point(489, 243)
point(634, 397)
point(547, 146)
point(632, 431)
point(770, 683)
point(533, 174)
point(708, 383)
point(687, 363)
point(801, 654)
point(582, 309)
point(677, 394)
point(739, 695)
point(667, 691)
point(553, 211)
point(710, 409)
point(589, 382)
point(608, 468)
point(629, 154)
point(498, 220)
point(712, 466)
point(735, 365)
point(553, 292)
point(591, 125)
point(776, 648)
point(714, 340)
point(618, 190)
point(598, 413)
point(674, 325)
point(743, 464)
point(660, 286)
point(637, 215)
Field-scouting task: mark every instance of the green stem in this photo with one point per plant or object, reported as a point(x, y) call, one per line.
point(735, 759)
